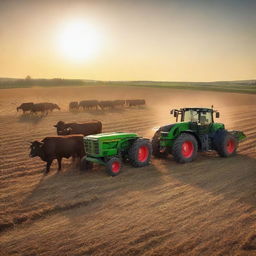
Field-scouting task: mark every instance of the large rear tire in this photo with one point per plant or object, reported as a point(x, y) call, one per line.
point(185, 148)
point(156, 149)
point(113, 166)
point(226, 144)
point(140, 153)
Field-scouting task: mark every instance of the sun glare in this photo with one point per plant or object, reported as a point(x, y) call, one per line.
point(79, 41)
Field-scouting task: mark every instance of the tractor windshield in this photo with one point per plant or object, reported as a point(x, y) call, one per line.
point(190, 116)
point(203, 118)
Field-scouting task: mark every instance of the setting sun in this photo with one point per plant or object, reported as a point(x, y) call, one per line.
point(79, 41)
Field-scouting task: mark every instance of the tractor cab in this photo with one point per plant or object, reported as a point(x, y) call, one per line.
point(200, 119)
point(201, 116)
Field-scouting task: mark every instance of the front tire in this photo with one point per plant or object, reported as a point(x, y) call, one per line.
point(156, 149)
point(185, 148)
point(85, 165)
point(113, 166)
point(140, 153)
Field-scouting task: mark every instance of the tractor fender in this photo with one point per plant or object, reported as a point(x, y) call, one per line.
point(175, 130)
point(166, 128)
point(123, 145)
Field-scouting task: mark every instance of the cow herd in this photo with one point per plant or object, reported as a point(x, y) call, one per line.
point(68, 143)
point(45, 107)
point(34, 108)
point(104, 104)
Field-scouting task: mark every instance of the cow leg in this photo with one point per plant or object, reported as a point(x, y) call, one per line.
point(48, 165)
point(59, 163)
point(73, 161)
point(76, 160)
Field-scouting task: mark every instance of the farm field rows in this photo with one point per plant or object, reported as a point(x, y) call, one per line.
point(207, 207)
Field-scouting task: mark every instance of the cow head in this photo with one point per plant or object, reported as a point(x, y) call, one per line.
point(36, 149)
point(56, 107)
point(67, 131)
point(60, 127)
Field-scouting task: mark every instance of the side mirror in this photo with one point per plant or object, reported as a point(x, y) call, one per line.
point(171, 112)
point(217, 114)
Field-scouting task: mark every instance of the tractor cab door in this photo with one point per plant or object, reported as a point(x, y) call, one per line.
point(204, 123)
point(202, 128)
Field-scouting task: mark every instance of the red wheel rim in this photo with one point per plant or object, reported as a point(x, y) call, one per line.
point(115, 167)
point(230, 146)
point(187, 149)
point(143, 153)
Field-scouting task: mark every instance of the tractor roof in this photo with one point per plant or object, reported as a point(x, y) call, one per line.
point(198, 109)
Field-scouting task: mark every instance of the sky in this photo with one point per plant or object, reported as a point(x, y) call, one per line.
point(175, 40)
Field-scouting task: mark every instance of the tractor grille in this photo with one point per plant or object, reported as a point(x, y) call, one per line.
point(92, 147)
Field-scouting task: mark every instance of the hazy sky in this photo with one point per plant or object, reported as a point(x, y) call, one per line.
point(175, 40)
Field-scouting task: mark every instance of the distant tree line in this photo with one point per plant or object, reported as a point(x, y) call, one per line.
point(29, 82)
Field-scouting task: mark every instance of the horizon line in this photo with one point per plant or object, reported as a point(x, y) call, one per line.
point(96, 80)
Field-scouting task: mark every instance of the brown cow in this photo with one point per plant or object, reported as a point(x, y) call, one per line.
point(57, 147)
point(119, 103)
point(51, 106)
point(87, 128)
point(73, 105)
point(136, 102)
point(44, 107)
point(88, 104)
point(25, 107)
point(106, 104)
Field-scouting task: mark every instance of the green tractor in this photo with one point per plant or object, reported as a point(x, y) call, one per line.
point(111, 149)
point(194, 131)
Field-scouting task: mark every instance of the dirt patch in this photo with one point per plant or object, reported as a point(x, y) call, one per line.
point(206, 207)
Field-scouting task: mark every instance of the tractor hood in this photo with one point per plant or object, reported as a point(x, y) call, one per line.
point(110, 136)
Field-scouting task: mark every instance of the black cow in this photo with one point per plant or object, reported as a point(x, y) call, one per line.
point(57, 147)
point(87, 128)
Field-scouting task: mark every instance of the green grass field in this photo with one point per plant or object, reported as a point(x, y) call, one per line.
point(246, 86)
point(242, 87)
